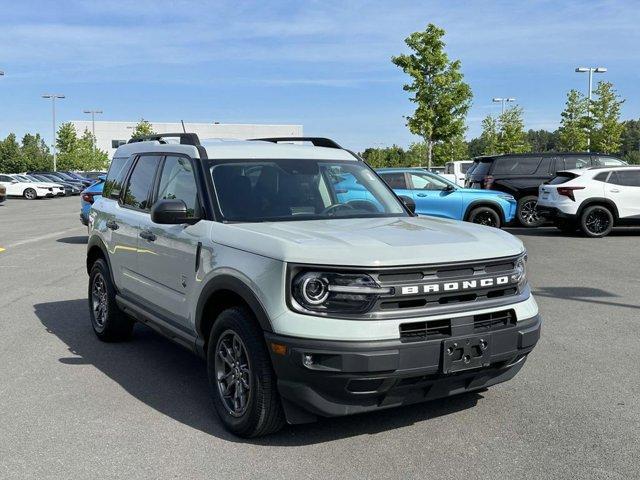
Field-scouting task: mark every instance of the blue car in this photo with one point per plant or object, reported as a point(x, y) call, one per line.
point(436, 196)
point(88, 196)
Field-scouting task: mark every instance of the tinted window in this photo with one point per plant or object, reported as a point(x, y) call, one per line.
point(573, 162)
point(481, 168)
point(627, 178)
point(601, 177)
point(4, 178)
point(609, 161)
point(515, 166)
point(115, 177)
point(464, 167)
point(562, 178)
point(395, 180)
point(137, 192)
point(179, 183)
point(427, 182)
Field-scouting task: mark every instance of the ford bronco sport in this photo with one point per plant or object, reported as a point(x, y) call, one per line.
point(304, 299)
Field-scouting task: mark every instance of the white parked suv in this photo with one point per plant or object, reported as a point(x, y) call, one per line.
point(20, 187)
point(456, 171)
point(593, 199)
point(307, 285)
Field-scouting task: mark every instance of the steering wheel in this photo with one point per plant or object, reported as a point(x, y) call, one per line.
point(331, 209)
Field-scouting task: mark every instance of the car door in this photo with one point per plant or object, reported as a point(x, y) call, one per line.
point(10, 185)
point(398, 183)
point(434, 196)
point(623, 187)
point(124, 221)
point(167, 253)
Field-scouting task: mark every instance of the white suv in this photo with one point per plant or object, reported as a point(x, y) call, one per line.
point(593, 199)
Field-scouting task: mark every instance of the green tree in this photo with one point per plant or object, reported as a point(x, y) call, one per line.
point(11, 160)
point(489, 136)
point(542, 140)
point(35, 153)
point(573, 132)
point(452, 150)
point(66, 138)
point(632, 157)
point(143, 128)
point(437, 88)
point(606, 134)
point(393, 156)
point(511, 135)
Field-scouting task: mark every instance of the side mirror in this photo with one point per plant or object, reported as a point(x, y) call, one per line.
point(409, 203)
point(14, 181)
point(170, 212)
point(449, 188)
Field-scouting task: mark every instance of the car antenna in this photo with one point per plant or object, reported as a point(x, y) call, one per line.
point(183, 129)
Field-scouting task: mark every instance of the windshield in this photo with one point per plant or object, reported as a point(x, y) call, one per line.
point(279, 190)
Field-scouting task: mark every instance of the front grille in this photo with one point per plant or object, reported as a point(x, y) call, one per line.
point(420, 331)
point(494, 320)
point(408, 285)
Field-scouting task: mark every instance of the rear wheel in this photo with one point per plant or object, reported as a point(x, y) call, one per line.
point(527, 214)
point(30, 194)
point(243, 383)
point(109, 323)
point(485, 216)
point(596, 221)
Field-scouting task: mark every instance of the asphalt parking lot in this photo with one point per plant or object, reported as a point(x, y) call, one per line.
point(73, 407)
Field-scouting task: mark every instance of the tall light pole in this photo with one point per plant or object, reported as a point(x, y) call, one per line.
point(503, 100)
point(591, 71)
point(93, 126)
point(53, 97)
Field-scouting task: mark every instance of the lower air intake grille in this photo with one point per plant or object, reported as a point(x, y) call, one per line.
point(494, 320)
point(419, 331)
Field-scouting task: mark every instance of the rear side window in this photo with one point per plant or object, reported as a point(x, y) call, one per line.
point(608, 161)
point(516, 166)
point(115, 178)
point(136, 195)
point(573, 162)
point(481, 168)
point(562, 178)
point(179, 183)
point(626, 178)
point(601, 177)
point(395, 180)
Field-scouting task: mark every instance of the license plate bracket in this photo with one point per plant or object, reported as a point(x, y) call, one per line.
point(466, 353)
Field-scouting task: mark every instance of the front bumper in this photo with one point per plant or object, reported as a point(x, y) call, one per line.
point(354, 377)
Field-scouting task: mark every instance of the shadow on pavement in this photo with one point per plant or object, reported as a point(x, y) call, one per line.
point(173, 381)
point(554, 232)
point(582, 294)
point(79, 240)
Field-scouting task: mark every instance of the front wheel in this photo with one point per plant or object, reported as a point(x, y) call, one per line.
point(30, 194)
point(527, 213)
point(596, 221)
point(243, 383)
point(109, 323)
point(485, 216)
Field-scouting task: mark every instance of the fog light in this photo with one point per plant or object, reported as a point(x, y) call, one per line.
point(307, 360)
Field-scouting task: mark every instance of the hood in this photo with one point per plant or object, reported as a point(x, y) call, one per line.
point(369, 241)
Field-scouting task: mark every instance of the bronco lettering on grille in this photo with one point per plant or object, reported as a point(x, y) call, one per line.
point(455, 286)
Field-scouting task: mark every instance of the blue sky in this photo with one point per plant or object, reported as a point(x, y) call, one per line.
point(323, 64)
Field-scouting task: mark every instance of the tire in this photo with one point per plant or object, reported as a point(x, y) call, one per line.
point(109, 323)
point(596, 221)
point(236, 347)
point(30, 194)
point(566, 226)
point(527, 214)
point(485, 216)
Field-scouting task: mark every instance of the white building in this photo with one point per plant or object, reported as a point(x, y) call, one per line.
point(110, 135)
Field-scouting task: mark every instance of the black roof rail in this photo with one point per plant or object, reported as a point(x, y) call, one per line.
point(315, 141)
point(185, 138)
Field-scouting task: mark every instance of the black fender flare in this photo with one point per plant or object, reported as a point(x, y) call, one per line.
point(240, 288)
point(96, 242)
point(598, 201)
point(484, 203)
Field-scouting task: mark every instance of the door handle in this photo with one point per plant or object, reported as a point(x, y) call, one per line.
point(421, 194)
point(112, 225)
point(614, 190)
point(147, 235)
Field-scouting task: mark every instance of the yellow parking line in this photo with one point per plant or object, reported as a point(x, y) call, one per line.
point(2, 249)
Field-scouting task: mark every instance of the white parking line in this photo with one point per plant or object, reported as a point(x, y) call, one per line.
point(41, 237)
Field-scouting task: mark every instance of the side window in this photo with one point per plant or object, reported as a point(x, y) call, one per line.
point(115, 177)
point(395, 180)
point(426, 182)
point(572, 162)
point(626, 178)
point(601, 177)
point(4, 178)
point(448, 169)
point(517, 166)
point(178, 182)
point(136, 195)
point(608, 161)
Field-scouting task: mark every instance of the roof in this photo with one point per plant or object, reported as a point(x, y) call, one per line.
point(239, 149)
point(403, 169)
point(541, 154)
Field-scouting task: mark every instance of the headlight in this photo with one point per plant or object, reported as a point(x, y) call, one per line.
point(333, 292)
point(520, 273)
point(507, 197)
